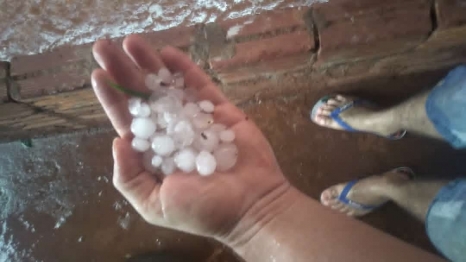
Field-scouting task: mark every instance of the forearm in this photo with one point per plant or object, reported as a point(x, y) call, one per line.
point(303, 230)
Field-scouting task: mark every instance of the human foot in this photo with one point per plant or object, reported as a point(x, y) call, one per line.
point(366, 194)
point(357, 116)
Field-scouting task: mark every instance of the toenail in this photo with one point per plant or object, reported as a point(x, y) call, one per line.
point(325, 195)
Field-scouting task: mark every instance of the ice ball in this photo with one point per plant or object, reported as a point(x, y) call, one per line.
point(203, 120)
point(156, 161)
point(144, 110)
point(163, 145)
point(183, 133)
point(206, 141)
point(140, 145)
point(142, 127)
point(226, 156)
point(207, 106)
point(227, 136)
point(205, 163)
point(168, 166)
point(165, 75)
point(190, 109)
point(153, 82)
point(178, 80)
point(134, 104)
point(185, 160)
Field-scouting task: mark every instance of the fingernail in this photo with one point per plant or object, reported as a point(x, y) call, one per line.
point(93, 82)
point(99, 60)
point(108, 41)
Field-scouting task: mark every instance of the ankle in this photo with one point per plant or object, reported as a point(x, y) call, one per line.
point(384, 120)
point(392, 185)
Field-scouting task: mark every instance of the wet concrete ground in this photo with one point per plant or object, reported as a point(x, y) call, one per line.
point(58, 203)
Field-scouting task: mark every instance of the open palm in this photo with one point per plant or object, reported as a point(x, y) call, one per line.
point(209, 206)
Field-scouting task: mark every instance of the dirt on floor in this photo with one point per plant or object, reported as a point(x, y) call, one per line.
point(58, 202)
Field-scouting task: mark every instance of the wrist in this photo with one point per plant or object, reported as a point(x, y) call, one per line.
point(260, 215)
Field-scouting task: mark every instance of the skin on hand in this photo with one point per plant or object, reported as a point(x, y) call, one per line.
point(229, 206)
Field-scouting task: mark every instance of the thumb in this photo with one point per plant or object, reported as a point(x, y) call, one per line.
point(129, 177)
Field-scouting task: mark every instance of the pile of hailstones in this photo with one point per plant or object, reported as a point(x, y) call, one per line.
point(176, 131)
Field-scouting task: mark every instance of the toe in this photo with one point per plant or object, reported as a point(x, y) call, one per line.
point(329, 197)
point(329, 107)
point(326, 198)
point(325, 112)
point(341, 98)
point(333, 102)
point(322, 120)
point(335, 191)
point(333, 202)
point(345, 209)
point(338, 206)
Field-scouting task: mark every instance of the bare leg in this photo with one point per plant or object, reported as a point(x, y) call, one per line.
point(413, 196)
point(409, 115)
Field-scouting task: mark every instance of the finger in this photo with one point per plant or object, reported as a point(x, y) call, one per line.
point(195, 77)
point(176, 60)
point(115, 104)
point(248, 153)
point(130, 178)
point(228, 114)
point(119, 66)
point(142, 54)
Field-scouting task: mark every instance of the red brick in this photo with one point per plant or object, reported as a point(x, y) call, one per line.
point(49, 84)
point(3, 68)
point(266, 22)
point(3, 91)
point(63, 69)
point(376, 29)
point(247, 53)
point(21, 65)
point(450, 13)
point(345, 9)
point(69, 67)
point(213, 41)
point(422, 60)
point(59, 73)
point(266, 69)
point(65, 111)
point(3, 84)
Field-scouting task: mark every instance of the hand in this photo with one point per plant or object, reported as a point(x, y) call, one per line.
point(212, 206)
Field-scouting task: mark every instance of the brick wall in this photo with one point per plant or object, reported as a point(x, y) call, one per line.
point(337, 41)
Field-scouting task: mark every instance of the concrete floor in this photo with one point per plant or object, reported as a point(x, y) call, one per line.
point(59, 204)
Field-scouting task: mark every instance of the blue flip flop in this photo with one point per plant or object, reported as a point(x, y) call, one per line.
point(335, 115)
point(343, 197)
